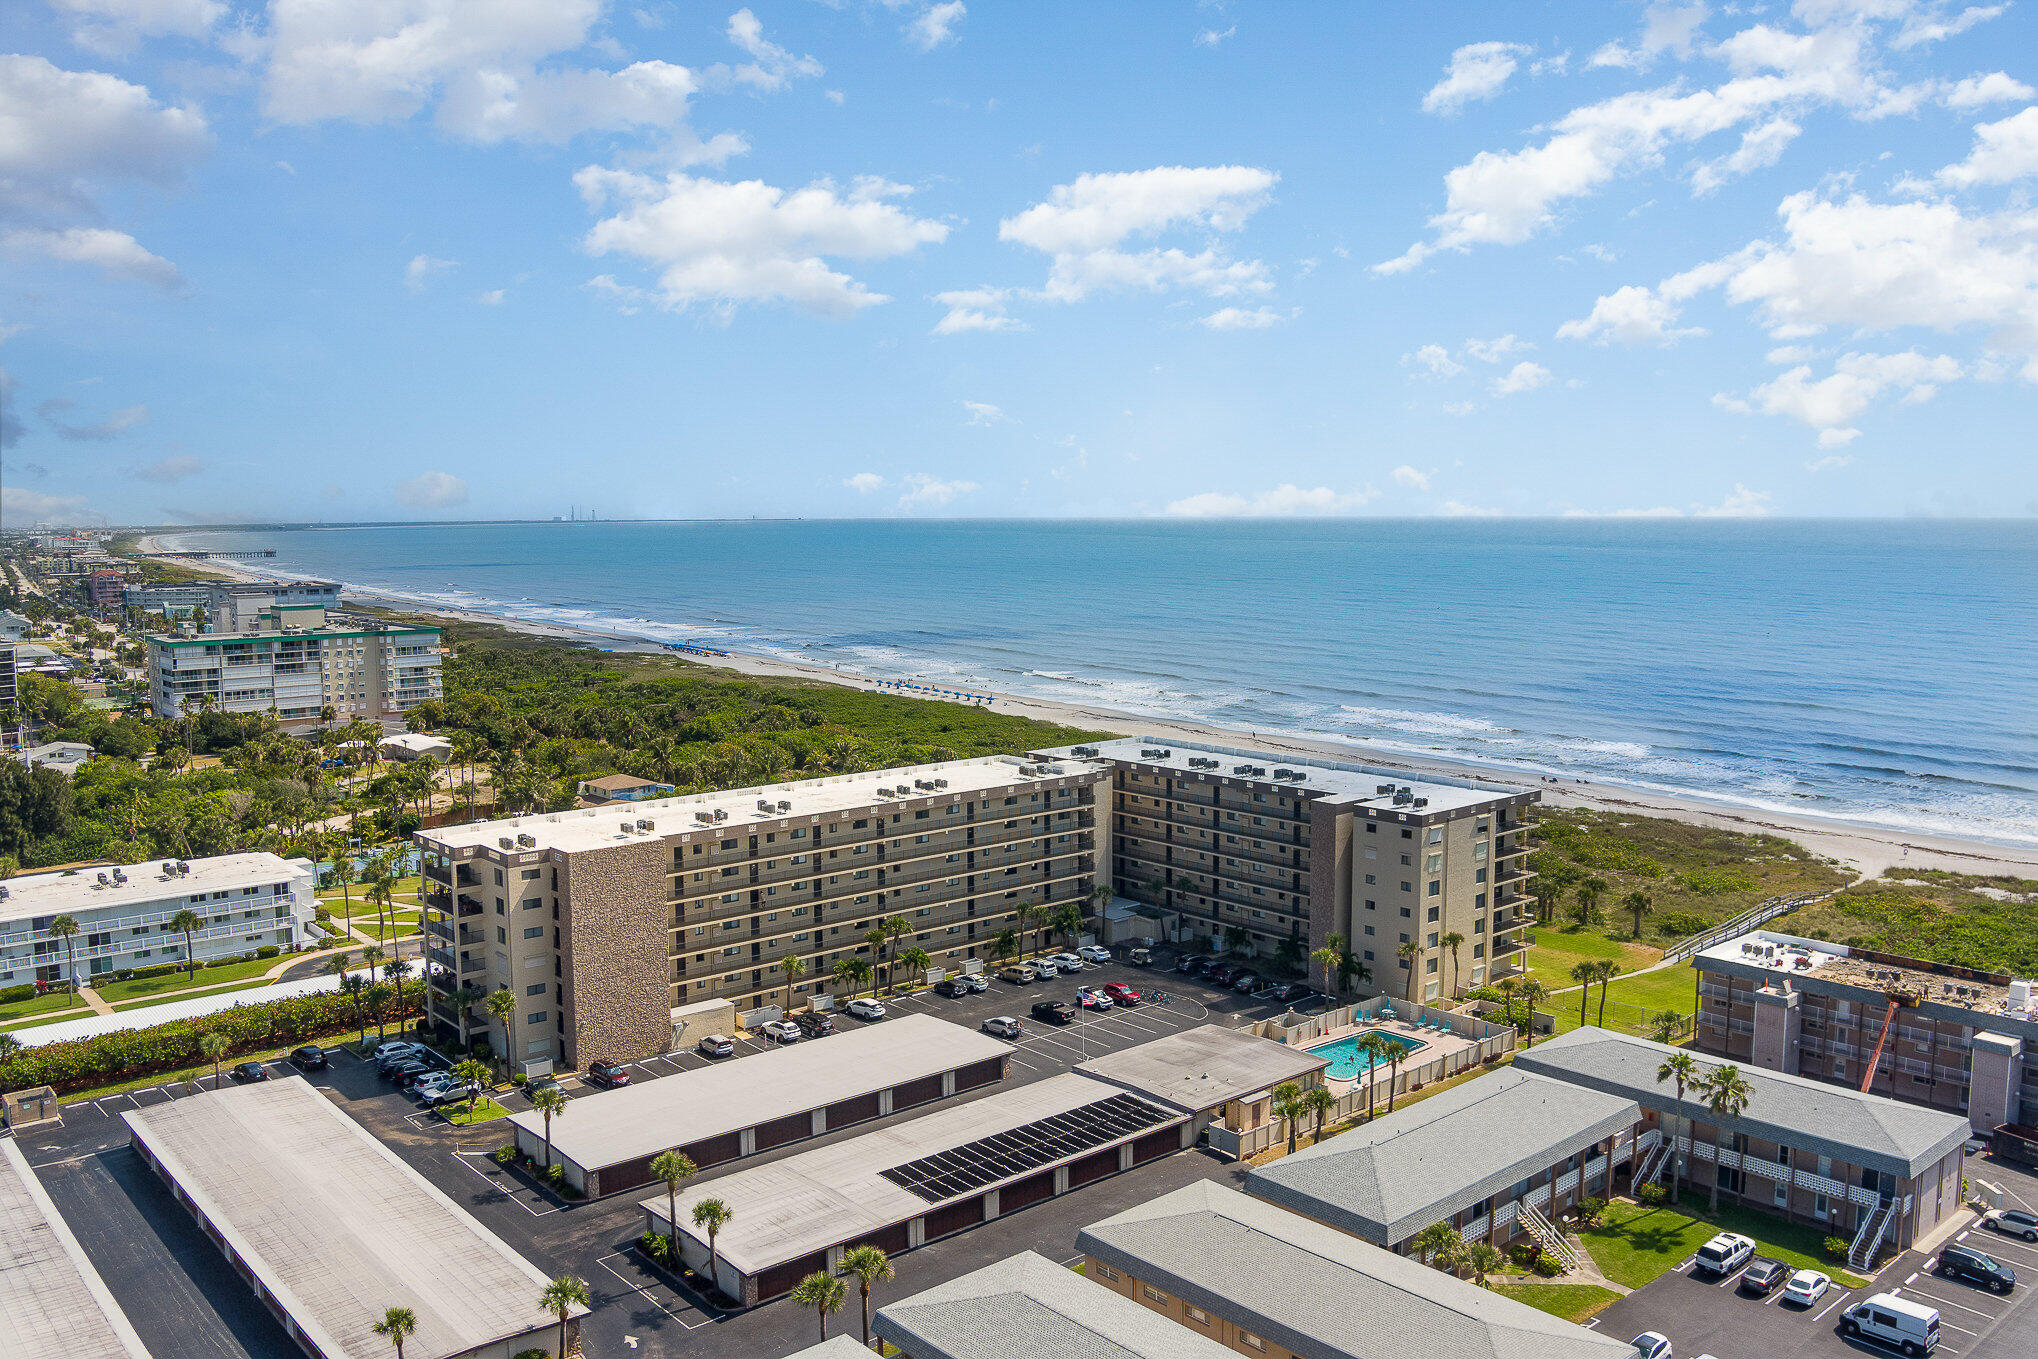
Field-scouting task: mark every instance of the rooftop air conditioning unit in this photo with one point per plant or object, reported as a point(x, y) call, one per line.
point(183, 868)
point(902, 790)
point(119, 875)
point(645, 826)
point(721, 814)
point(885, 793)
point(785, 806)
point(1241, 769)
point(763, 806)
point(507, 841)
point(4, 893)
point(1422, 802)
point(941, 783)
point(527, 842)
point(102, 880)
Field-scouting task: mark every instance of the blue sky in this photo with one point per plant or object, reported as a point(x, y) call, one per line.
point(409, 259)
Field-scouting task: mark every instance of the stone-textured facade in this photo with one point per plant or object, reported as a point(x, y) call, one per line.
point(612, 921)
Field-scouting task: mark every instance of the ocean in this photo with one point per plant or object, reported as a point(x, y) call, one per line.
point(1880, 672)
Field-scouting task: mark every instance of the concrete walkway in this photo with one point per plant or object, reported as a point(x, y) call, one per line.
point(91, 999)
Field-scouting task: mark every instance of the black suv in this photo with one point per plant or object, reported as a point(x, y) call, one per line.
point(950, 987)
point(1054, 1012)
point(1764, 1276)
point(1961, 1262)
point(310, 1057)
point(814, 1025)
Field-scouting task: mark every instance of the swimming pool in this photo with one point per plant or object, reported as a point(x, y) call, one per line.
point(1348, 1063)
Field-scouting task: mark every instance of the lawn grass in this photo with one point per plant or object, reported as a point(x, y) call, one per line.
point(485, 1110)
point(56, 1018)
point(1573, 1302)
point(113, 993)
point(1635, 1245)
point(147, 1001)
point(48, 1004)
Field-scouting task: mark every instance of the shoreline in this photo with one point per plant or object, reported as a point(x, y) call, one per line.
point(1870, 850)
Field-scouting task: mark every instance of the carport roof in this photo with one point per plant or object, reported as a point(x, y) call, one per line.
point(1201, 1068)
point(1317, 1291)
point(1864, 1130)
point(834, 1347)
point(1028, 1307)
point(674, 1111)
point(52, 1300)
point(337, 1227)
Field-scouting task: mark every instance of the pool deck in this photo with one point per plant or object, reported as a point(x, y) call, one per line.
point(1436, 1043)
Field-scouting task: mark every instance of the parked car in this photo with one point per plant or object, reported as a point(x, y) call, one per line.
point(1964, 1262)
point(395, 1049)
point(1095, 953)
point(249, 1071)
point(1122, 994)
point(1002, 1026)
point(1223, 973)
point(1044, 968)
point(397, 1073)
point(951, 987)
point(975, 981)
point(814, 1024)
point(865, 1008)
point(409, 1081)
point(537, 1083)
point(1246, 983)
point(608, 1075)
point(1294, 993)
point(1651, 1345)
point(1092, 1000)
point(1054, 1012)
point(1806, 1287)
point(1724, 1254)
point(780, 1031)
point(1764, 1276)
point(452, 1092)
point(310, 1057)
point(1896, 1322)
point(1140, 957)
point(1189, 962)
point(716, 1045)
point(432, 1057)
point(427, 1087)
point(1017, 973)
point(1068, 962)
point(2011, 1222)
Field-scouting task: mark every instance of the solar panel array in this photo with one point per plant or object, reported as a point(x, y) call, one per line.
point(1001, 1156)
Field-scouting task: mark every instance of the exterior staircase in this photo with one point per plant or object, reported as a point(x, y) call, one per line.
point(1654, 1160)
point(1547, 1236)
point(1867, 1241)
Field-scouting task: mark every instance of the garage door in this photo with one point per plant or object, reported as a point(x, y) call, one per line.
point(849, 1111)
point(712, 1151)
point(916, 1092)
point(783, 1278)
point(1093, 1167)
point(980, 1073)
point(955, 1217)
point(780, 1131)
point(1019, 1193)
point(891, 1240)
point(1156, 1144)
point(623, 1175)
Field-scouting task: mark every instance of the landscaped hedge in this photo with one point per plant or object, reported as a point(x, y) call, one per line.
point(82, 1062)
point(25, 991)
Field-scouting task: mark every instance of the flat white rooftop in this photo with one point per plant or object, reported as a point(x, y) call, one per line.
point(336, 1226)
point(1201, 1068)
point(1352, 784)
point(836, 1193)
point(594, 827)
point(52, 1302)
point(70, 893)
point(673, 1111)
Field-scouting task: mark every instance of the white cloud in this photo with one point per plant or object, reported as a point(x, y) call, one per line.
point(863, 483)
point(99, 431)
point(1631, 315)
point(432, 491)
point(1241, 318)
point(925, 492)
point(935, 25)
point(1458, 509)
point(983, 413)
point(114, 26)
point(170, 470)
point(1740, 503)
point(1665, 28)
point(1493, 351)
point(1412, 478)
point(1830, 404)
point(1477, 71)
point(1282, 501)
point(114, 253)
point(723, 244)
point(1083, 224)
point(1832, 462)
point(1980, 91)
point(1523, 377)
point(1761, 147)
point(491, 298)
point(971, 309)
point(2003, 151)
point(1792, 353)
point(1210, 37)
point(1935, 22)
point(422, 267)
point(1435, 360)
point(23, 506)
point(772, 66)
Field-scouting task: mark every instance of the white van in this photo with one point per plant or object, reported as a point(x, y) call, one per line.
point(1910, 1327)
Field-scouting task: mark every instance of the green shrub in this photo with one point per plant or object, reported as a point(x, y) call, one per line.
point(1835, 1247)
point(157, 970)
point(657, 1245)
point(267, 951)
point(1590, 1210)
point(26, 991)
point(534, 1354)
point(1546, 1267)
point(1651, 1195)
point(1682, 924)
point(505, 1154)
point(1524, 1253)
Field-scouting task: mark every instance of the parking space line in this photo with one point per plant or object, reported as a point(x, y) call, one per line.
point(640, 1291)
point(2019, 1247)
point(1831, 1305)
point(507, 1191)
point(1948, 1302)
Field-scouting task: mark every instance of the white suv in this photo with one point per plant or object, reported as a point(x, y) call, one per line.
point(1724, 1254)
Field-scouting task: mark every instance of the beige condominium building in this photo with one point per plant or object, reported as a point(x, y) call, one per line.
point(297, 661)
point(1284, 849)
point(603, 920)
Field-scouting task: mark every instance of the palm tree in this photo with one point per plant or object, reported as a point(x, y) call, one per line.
point(475, 1075)
point(1683, 1069)
point(561, 1296)
point(1031, 917)
point(1287, 1106)
point(674, 1168)
point(893, 928)
point(1004, 945)
point(355, 985)
point(1585, 971)
point(849, 973)
point(463, 999)
point(65, 927)
point(1507, 987)
point(1727, 1093)
point(1318, 1101)
point(190, 922)
point(215, 1045)
point(792, 967)
point(1409, 952)
point(1530, 992)
point(1454, 941)
point(377, 997)
point(398, 1323)
point(1328, 957)
point(823, 1292)
point(1484, 1260)
point(1664, 1024)
point(916, 960)
point(711, 1215)
point(502, 1005)
point(1377, 1050)
point(1395, 1052)
point(1549, 896)
point(1434, 1239)
point(868, 1265)
point(1068, 918)
point(1589, 893)
point(1608, 970)
point(1639, 904)
point(342, 870)
point(549, 1102)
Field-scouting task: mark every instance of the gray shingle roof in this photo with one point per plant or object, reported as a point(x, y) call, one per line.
point(834, 1347)
point(1028, 1307)
point(1318, 1292)
point(1867, 1130)
point(1392, 1177)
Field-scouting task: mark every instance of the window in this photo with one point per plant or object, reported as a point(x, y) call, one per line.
point(1197, 1315)
point(1105, 1271)
point(535, 932)
point(1369, 880)
point(1436, 887)
point(539, 1018)
point(535, 989)
point(1252, 1342)
point(1153, 1294)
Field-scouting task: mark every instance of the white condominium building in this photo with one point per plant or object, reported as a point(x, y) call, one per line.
point(296, 664)
point(124, 914)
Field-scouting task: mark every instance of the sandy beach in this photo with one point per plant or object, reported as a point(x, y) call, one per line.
point(1870, 850)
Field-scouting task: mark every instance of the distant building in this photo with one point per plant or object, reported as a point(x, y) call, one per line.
point(623, 788)
point(106, 590)
point(1292, 851)
point(65, 757)
point(414, 745)
point(124, 914)
point(171, 601)
point(295, 665)
point(230, 605)
point(13, 627)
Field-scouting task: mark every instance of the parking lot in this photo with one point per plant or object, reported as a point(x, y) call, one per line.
point(168, 1275)
point(1713, 1317)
